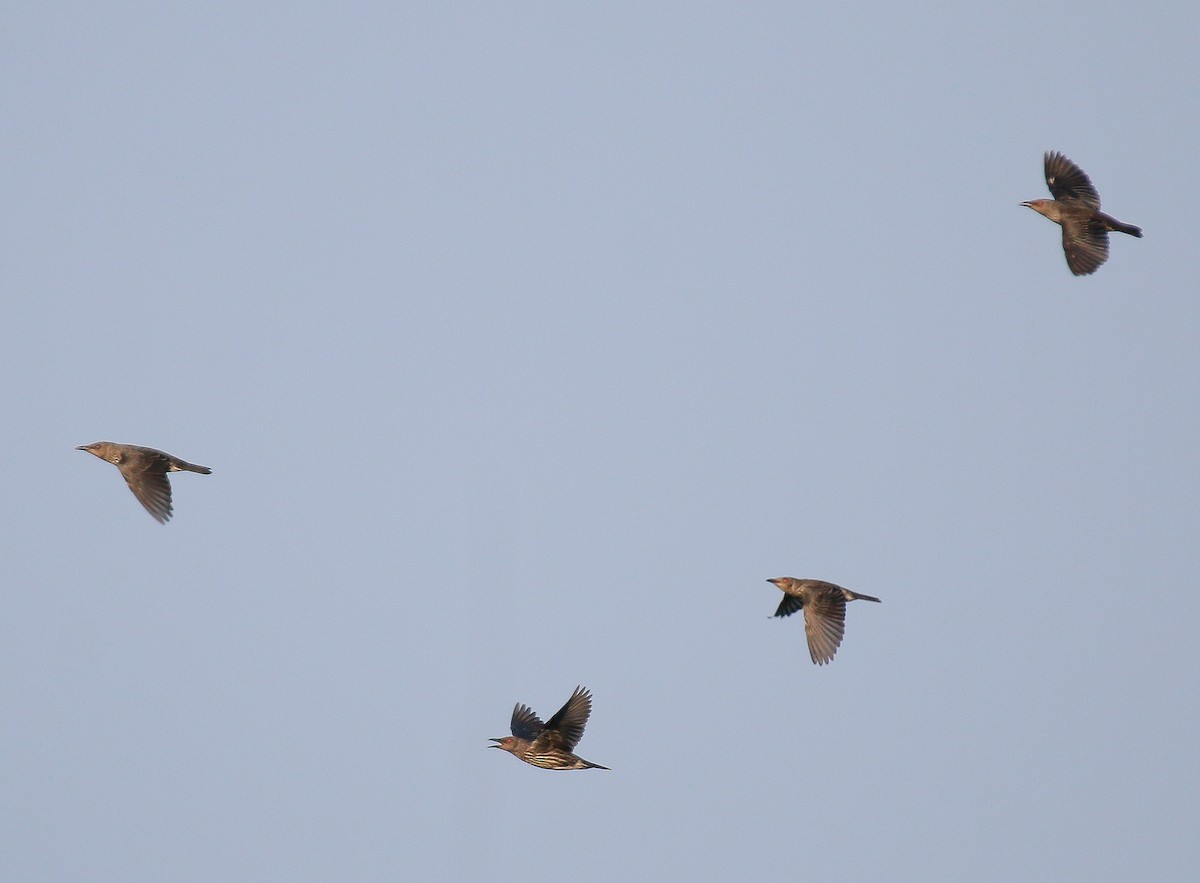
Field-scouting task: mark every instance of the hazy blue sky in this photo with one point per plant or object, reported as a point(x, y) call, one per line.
point(525, 342)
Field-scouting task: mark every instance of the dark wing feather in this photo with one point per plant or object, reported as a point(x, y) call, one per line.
point(789, 605)
point(525, 724)
point(1085, 244)
point(1069, 183)
point(568, 722)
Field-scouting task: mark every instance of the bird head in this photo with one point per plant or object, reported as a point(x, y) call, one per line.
point(507, 743)
point(1047, 208)
point(101, 449)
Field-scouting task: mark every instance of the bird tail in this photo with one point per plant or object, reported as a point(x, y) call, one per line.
point(594, 766)
point(858, 596)
point(191, 467)
point(1113, 224)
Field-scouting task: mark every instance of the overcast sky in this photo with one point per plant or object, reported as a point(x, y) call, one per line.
point(525, 342)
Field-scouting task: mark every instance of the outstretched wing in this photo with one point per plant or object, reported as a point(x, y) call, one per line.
point(1069, 183)
point(824, 625)
point(1085, 244)
point(568, 722)
point(525, 724)
point(152, 490)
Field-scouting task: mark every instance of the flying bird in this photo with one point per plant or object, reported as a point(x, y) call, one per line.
point(1076, 208)
point(145, 471)
point(824, 606)
point(550, 745)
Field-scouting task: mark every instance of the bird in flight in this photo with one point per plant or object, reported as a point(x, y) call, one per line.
point(550, 745)
point(145, 471)
point(824, 606)
point(1076, 208)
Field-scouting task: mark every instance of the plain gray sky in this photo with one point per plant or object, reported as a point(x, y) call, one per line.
point(525, 342)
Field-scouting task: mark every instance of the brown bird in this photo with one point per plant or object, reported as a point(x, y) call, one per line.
point(824, 606)
point(145, 471)
point(550, 745)
point(1076, 208)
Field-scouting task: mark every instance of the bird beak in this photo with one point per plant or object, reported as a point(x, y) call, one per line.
point(81, 448)
point(494, 740)
point(1027, 204)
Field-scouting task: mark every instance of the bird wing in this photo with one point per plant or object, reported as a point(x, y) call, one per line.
point(525, 723)
point(1085, 244)
point(152, 490)
point(1069, 183)
point(568, 722)
point(824, 625)
point(789, 605)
